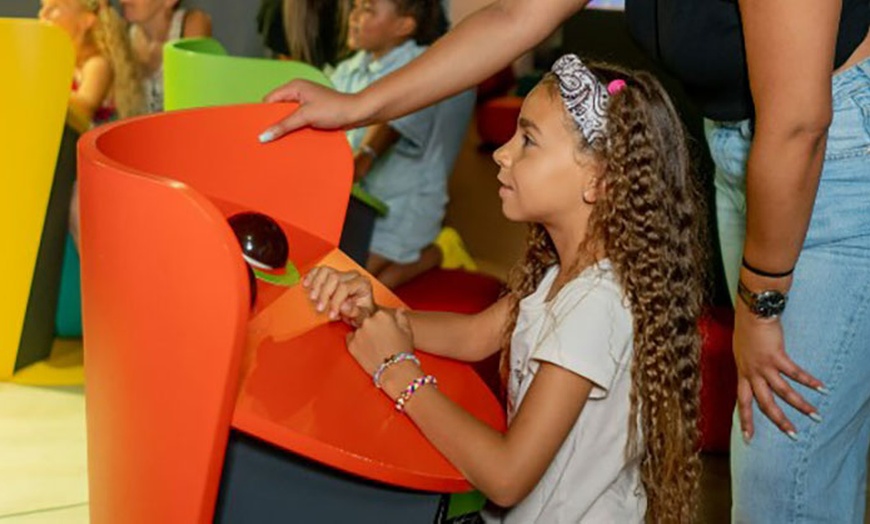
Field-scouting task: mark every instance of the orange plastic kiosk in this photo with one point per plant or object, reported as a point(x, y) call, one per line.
point(199, 408)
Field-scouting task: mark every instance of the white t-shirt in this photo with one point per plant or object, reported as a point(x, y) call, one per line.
point(587, 329)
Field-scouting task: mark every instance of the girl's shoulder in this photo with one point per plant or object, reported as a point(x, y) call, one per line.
point(598, 279)
point(196, 23)
point(95, 67)
point(596, 287)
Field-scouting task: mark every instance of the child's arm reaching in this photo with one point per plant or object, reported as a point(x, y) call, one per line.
point(378, 139)
point(505, 467)
point(348, 296)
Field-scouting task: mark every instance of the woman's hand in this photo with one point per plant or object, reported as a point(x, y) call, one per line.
point(346, 296)
point(762, 365)
point(319, 107)
point(379, 337)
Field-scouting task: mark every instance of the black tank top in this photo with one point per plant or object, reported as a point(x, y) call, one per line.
point(701, 43)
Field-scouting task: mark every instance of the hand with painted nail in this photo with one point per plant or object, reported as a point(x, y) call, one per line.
point(319, 107)
point(345, 296)
point(765, 372)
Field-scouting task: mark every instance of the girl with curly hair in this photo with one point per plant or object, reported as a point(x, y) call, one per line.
point(598, 329)
point(106, 84)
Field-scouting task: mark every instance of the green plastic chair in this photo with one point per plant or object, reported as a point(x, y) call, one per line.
point(198, 72)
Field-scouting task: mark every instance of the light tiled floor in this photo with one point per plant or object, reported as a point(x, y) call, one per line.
point(43, 458)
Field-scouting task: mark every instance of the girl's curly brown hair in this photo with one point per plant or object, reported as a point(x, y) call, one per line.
point(648, 220)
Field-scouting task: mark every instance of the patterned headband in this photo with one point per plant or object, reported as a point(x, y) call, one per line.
point(584, 96)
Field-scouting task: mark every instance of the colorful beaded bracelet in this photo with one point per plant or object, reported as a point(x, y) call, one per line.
point(412, 388)
point(389, 361)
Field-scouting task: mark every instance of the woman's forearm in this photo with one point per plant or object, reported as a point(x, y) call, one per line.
point(782, 178)
point(475, 49)
point(792, 114)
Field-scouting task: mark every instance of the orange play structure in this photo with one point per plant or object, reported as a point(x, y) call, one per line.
point(176, 362)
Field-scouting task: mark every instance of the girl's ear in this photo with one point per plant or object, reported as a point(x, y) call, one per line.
point(407, 27)
point(593, 190)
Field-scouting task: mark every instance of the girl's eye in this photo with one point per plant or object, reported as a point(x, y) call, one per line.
point(527, 140)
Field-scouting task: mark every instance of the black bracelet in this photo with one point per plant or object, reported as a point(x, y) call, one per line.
point(767, 274)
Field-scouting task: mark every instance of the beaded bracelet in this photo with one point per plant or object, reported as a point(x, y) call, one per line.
point(412, 388)
point(389, 361)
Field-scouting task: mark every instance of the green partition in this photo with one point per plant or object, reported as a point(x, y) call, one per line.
point(198, 72)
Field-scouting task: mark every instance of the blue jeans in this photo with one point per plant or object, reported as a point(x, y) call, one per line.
point(822, 476)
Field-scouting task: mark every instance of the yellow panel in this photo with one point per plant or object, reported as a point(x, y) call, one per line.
point(37, 63)
point(64, 367)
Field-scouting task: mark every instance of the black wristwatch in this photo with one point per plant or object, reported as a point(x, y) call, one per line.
point(765, 304)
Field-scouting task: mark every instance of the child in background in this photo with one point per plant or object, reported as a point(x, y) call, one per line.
point(599, 332)
point(310, 31)
point(400, 162)
point(106, 83)
point(152, 24)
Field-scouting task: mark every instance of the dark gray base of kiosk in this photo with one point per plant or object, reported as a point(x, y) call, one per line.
point(356, 234)
point(262, 484)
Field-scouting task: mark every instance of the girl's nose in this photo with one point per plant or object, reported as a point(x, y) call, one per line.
point(502, 156)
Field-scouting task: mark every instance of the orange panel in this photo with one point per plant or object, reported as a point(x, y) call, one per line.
point(165, 291)
point(302, 391)
point(301, 180)
point(165, 304)
point(166, 315)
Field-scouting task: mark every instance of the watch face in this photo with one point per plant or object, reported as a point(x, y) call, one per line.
point(769, 304)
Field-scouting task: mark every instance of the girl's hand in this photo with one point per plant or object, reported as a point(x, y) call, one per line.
point(762, 365)
point(319, 107)
point(346, 296)
point(382, 335)
point(362, 164)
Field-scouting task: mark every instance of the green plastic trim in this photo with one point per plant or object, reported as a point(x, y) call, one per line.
point(368, 199)
point(288, 279)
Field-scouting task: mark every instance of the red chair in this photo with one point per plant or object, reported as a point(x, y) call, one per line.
point(497, 120)
point(718, 379)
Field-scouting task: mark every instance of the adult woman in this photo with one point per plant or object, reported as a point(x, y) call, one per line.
point(787, 83)
point(152, 24)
